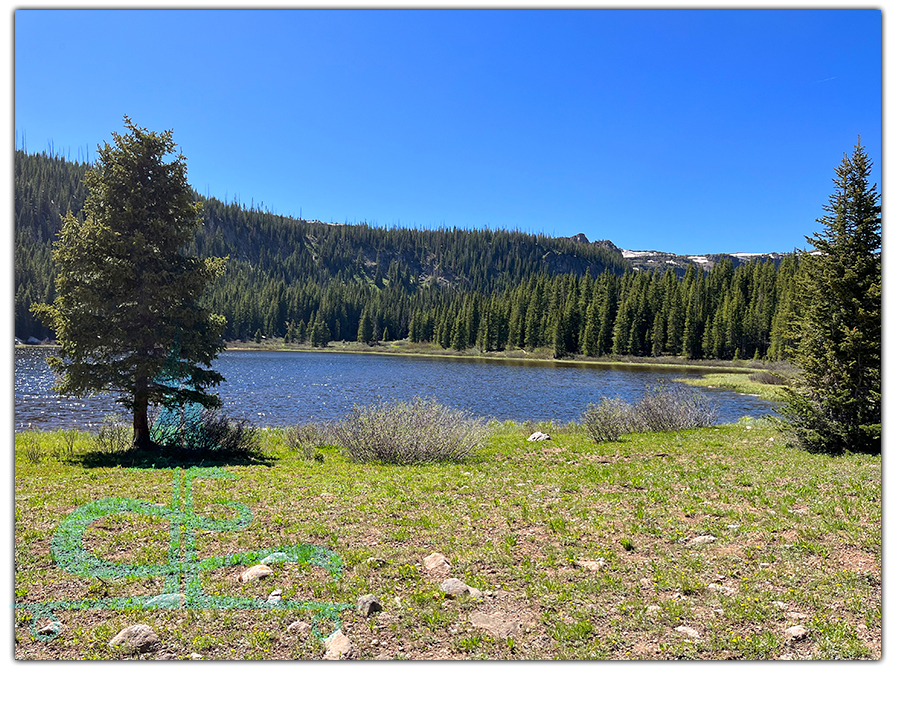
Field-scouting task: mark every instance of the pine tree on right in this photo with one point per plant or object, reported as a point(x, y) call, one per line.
point(834, 405)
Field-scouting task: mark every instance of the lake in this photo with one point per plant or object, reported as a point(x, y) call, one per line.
point(285, 388)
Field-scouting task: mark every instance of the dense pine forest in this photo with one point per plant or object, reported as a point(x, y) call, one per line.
point(490, 289)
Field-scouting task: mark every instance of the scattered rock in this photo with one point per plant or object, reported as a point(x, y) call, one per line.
point(169, 601)
point(701, 540)
point(50, 629)
point(593, 565)
point(795, 615)
point(196, 656)
point(337, 646)
point(299, 627)
point(646, 583)
point(437, 563)
point(138, 637)
point(254, 572)
point(688, 631)
point(376, 562)
point(499, 624)
point(538, 436)
point(780, 605)
point(797, 632)
point(368, 605)
point(724, 589)
point(274, 597)
point(653, 609)
point(453, 587)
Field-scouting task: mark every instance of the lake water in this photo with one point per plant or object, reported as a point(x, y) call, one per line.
point(285, 388)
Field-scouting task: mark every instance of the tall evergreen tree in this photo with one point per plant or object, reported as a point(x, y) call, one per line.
point(836, 404)
point(126, 314)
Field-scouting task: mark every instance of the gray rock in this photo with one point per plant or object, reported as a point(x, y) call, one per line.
point(593, 565)
point(274, 598)
point(338, 646)
point(688, 631)
point(797, 632)
point(499, 624)
point(701, 540)
point(368, 605)
point(436, 563)
point(254, 572)
point(299, 627)
point(138, 637)
point(454, 587)
point(538, 436)
point(170, 601)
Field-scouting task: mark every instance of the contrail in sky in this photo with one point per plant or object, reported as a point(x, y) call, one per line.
point(830, 78)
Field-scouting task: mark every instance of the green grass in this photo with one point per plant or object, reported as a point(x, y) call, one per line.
point(798, 541)
point(739, 382)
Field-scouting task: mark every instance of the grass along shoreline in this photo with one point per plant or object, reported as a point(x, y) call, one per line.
point(700, 544)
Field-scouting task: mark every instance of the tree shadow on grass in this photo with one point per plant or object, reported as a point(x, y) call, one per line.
point(169, 457)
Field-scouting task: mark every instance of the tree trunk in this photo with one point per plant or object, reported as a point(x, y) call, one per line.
point(141, 439)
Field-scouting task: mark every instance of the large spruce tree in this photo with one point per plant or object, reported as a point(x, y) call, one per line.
point(836, 403)
point(126, 314)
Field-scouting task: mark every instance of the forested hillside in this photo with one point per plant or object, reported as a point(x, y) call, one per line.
point(491, 289)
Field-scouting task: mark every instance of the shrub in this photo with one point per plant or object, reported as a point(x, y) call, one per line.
point(198, 429)
point(767, 377)
point(606, 421)
point(670, 407)
point(663, 408)
point(309, 437)
point(421, 430)
point(114, 435)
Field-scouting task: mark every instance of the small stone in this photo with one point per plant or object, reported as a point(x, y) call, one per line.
point(701, 540)
point(337, 646)
point(653, 609)
point(299, 627)
point(795, 615)
point(453, 587)
point(780, 605)
point(368, 605)
point(138, 637)
point(593, 565)
point(254, 572)
point(688, 631)
point(797, 632)
point(53, 627)
point(724, 589)
point(171, 601)
point(646, 583)
point(538, 436)
point(376, 562)
point(196, 656)
point(274, 597)
point(436, 563)
point(500, 625)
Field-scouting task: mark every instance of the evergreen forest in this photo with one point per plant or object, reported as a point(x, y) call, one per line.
point(489, 289)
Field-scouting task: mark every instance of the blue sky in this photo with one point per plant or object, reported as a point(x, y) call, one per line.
point(686, 131)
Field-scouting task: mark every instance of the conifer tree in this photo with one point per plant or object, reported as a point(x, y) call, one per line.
point(836, 403)
point(126, 314)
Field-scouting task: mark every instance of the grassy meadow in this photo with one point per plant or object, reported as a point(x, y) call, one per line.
point(702, 544)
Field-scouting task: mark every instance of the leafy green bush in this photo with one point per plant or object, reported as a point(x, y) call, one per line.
point(420, 430)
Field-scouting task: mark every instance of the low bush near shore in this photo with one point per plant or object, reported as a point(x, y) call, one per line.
point(663, 408)
point(421, 430)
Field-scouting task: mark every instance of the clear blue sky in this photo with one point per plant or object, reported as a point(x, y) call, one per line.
point(686, 131)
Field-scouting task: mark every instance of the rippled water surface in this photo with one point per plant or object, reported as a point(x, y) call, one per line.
point(284, 388)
